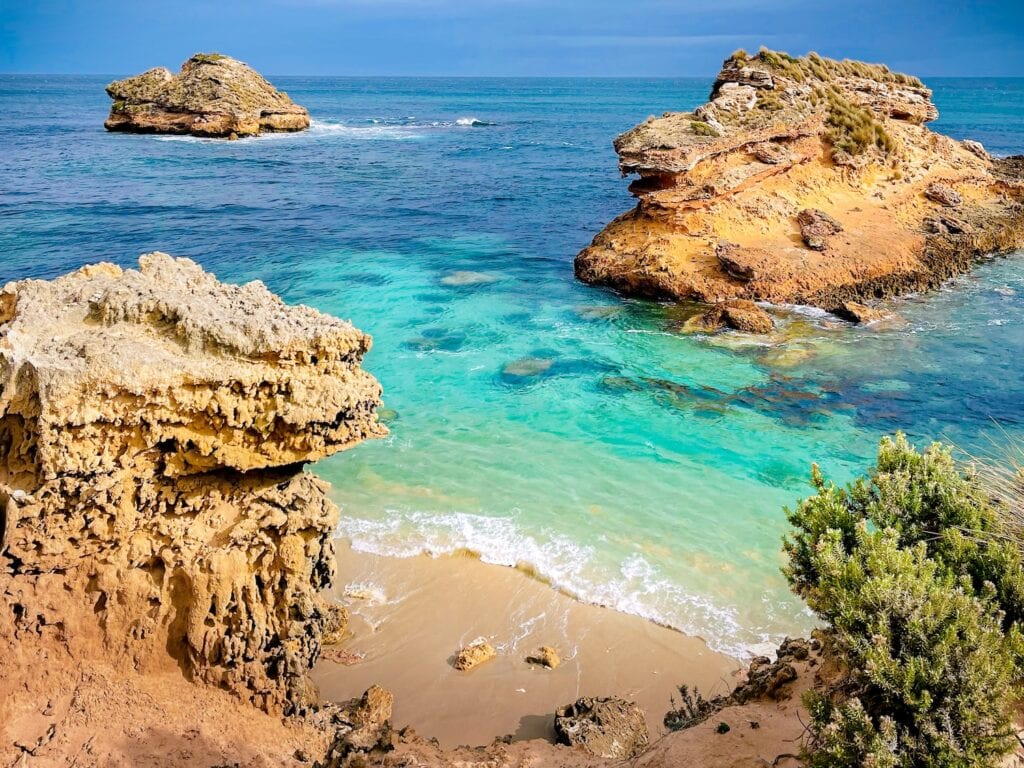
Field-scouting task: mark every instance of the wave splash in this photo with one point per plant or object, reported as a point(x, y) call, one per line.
point(634, 587)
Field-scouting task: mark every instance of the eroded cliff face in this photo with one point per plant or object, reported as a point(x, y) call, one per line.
point(804, 180)
point(153, 425)
point(213, 95)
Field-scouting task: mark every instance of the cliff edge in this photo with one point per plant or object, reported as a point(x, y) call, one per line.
point(154, 516)
point(804, 181)
point(213, 95)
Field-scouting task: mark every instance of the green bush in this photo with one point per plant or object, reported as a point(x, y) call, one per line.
point(701, 128)
point(921, 607)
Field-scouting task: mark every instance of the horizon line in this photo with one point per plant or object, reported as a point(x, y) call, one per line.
point(491, 77)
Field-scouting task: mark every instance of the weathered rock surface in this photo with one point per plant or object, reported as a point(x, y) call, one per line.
point(213, 95)
point(859, 313)
point(806, 181)
point(473, 655)
point(606, 727)
point(153, 424)
point(545, 656)
point(739, 314)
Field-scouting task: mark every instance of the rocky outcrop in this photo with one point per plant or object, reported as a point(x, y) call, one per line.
point(804, 181)
point(605, 727)
point(213, 95)
point(153, 425)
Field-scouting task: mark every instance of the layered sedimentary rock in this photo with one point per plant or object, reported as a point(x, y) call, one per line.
point(153, 425)
point(213, 95)
point(804, 180)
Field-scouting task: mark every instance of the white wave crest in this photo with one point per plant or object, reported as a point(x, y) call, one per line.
point(638, 588)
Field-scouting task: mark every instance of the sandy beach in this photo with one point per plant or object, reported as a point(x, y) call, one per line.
point(411, 615)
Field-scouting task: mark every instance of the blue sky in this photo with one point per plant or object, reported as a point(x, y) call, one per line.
point(505, 37)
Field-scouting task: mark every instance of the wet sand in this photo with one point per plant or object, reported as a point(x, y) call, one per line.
point(410, 616)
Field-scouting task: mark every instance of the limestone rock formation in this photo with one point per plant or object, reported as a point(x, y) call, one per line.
point(213, 95)
point(804, 181)
point(153, 424)
point(606, 727)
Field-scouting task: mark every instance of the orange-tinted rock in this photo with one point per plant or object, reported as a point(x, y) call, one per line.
point(768, 193)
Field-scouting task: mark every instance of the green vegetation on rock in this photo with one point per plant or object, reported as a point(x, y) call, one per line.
point(921, 600)
point(816, 67)
point(854, 129)
point(701, 128)
point(208, 58)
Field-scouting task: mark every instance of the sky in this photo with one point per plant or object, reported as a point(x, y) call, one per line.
point(607, 38)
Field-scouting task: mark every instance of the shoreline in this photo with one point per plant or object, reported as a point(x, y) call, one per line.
point(411, 615)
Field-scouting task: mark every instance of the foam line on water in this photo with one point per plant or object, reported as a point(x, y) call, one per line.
point(635, 588)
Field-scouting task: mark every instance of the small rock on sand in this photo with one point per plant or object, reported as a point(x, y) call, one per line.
point(474, 654)
point(545, 656)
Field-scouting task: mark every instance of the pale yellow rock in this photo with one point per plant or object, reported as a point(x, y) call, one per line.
point(155, 422)
point(545, 656)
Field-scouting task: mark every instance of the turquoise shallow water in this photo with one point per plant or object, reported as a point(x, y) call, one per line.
point(535, 421)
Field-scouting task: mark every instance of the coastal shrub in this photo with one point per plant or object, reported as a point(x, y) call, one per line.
point(690, 710)
point(817, 67)
point(924, 497)
point(922, 613)
point(701, 128)
point(854, 129)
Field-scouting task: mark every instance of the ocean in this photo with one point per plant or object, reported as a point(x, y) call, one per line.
point(535, 421)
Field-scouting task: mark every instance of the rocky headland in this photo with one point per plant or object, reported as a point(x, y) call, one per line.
point(213, 95)
point(803, 181)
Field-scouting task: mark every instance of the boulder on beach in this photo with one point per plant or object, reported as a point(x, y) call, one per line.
point(213, 95)
point(545, 656)
point(474, 654)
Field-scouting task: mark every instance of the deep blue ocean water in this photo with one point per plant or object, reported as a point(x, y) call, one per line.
point(535, 421)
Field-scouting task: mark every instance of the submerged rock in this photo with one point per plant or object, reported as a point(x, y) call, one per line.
point(606, 727)
point(527, 367)
point(461, 278)
point(155, 422)
point(213, 95)
point(745, 197)
point(474, 655)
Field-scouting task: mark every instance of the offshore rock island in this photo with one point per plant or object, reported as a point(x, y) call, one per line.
point(803, 181)
point(213, 95)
